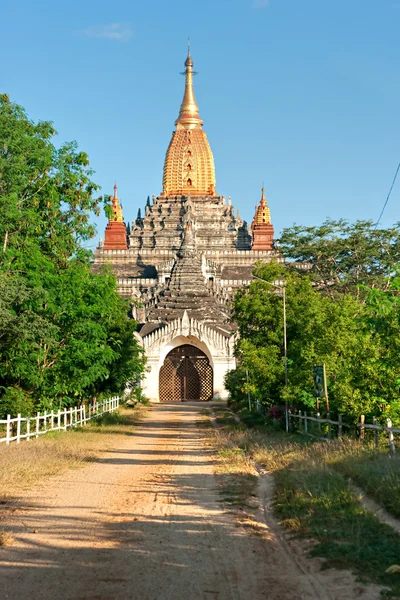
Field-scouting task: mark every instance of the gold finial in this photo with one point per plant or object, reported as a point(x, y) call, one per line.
point(116, 207)
point(189, 117)
point(263, 214)
point(263, 201)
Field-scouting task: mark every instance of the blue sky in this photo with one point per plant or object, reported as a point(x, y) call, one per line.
point(302, 95)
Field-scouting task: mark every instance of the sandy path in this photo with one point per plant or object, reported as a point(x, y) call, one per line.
point(144, 521)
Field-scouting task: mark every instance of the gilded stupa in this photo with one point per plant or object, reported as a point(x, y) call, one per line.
point(189, 162)
point(185, 257)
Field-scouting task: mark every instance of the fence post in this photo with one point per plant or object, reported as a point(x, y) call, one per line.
point(37, 424)
point(28, 429)
point(59, 419)
point(340, 427)
point(362, 428)
point(19, 428)
point(84, 414)
point(305, 422)
point(328, 416)
point(300, 423)
point(319, 424)
point(392, 447)
point(8, 430)
point(376, 438)
point(45, 421)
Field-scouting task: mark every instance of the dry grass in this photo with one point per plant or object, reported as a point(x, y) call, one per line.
point(6, 538)
point(312, 495)
point(24, 464)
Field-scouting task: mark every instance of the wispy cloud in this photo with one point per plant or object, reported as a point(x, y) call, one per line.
point(261, 3)
point(117, 32)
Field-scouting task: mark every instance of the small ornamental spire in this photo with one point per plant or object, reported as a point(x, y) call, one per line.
point(263, 214)
point(263, 231)
point(263, 201)
point(116, 207)
point(116, 233)
point(189, 117)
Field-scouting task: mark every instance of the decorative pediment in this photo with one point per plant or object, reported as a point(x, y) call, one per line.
point(186, 326)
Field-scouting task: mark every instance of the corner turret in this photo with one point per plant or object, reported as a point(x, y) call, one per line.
point(261, 227)
point(115, 235)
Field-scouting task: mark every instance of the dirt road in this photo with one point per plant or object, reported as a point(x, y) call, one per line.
point(145, 521)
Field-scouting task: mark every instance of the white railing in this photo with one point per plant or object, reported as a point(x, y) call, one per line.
point(26, 428)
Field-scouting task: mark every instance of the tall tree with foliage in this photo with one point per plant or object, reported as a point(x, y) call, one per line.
point(340, 256)
point(320, 329)
point(64, 331)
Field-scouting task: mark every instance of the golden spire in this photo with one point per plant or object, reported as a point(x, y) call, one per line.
point(263, 201)
point(262, 214)
point(189, 117)
point(189, 162)
point(116, 208)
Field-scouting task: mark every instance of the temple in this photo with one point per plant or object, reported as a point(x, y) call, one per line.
point(181, 263)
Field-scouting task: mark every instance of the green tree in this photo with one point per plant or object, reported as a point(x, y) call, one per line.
point(340, 256)
point(319, 330)
point(64, 331)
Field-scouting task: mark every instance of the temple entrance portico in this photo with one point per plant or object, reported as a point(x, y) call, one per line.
point(186, 361)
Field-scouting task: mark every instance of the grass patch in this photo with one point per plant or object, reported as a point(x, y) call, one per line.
point(22, 465)
point(312, 495)
point(374, 471)
point(317, 503)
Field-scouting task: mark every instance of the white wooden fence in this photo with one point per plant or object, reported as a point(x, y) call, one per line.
point(305, 420)
point(26, 428)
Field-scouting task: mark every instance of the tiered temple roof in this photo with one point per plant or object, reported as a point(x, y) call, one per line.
point(189, 251)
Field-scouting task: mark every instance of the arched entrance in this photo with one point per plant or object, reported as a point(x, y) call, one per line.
point(186, 375)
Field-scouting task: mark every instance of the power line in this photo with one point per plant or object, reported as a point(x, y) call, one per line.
point(388, 196)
